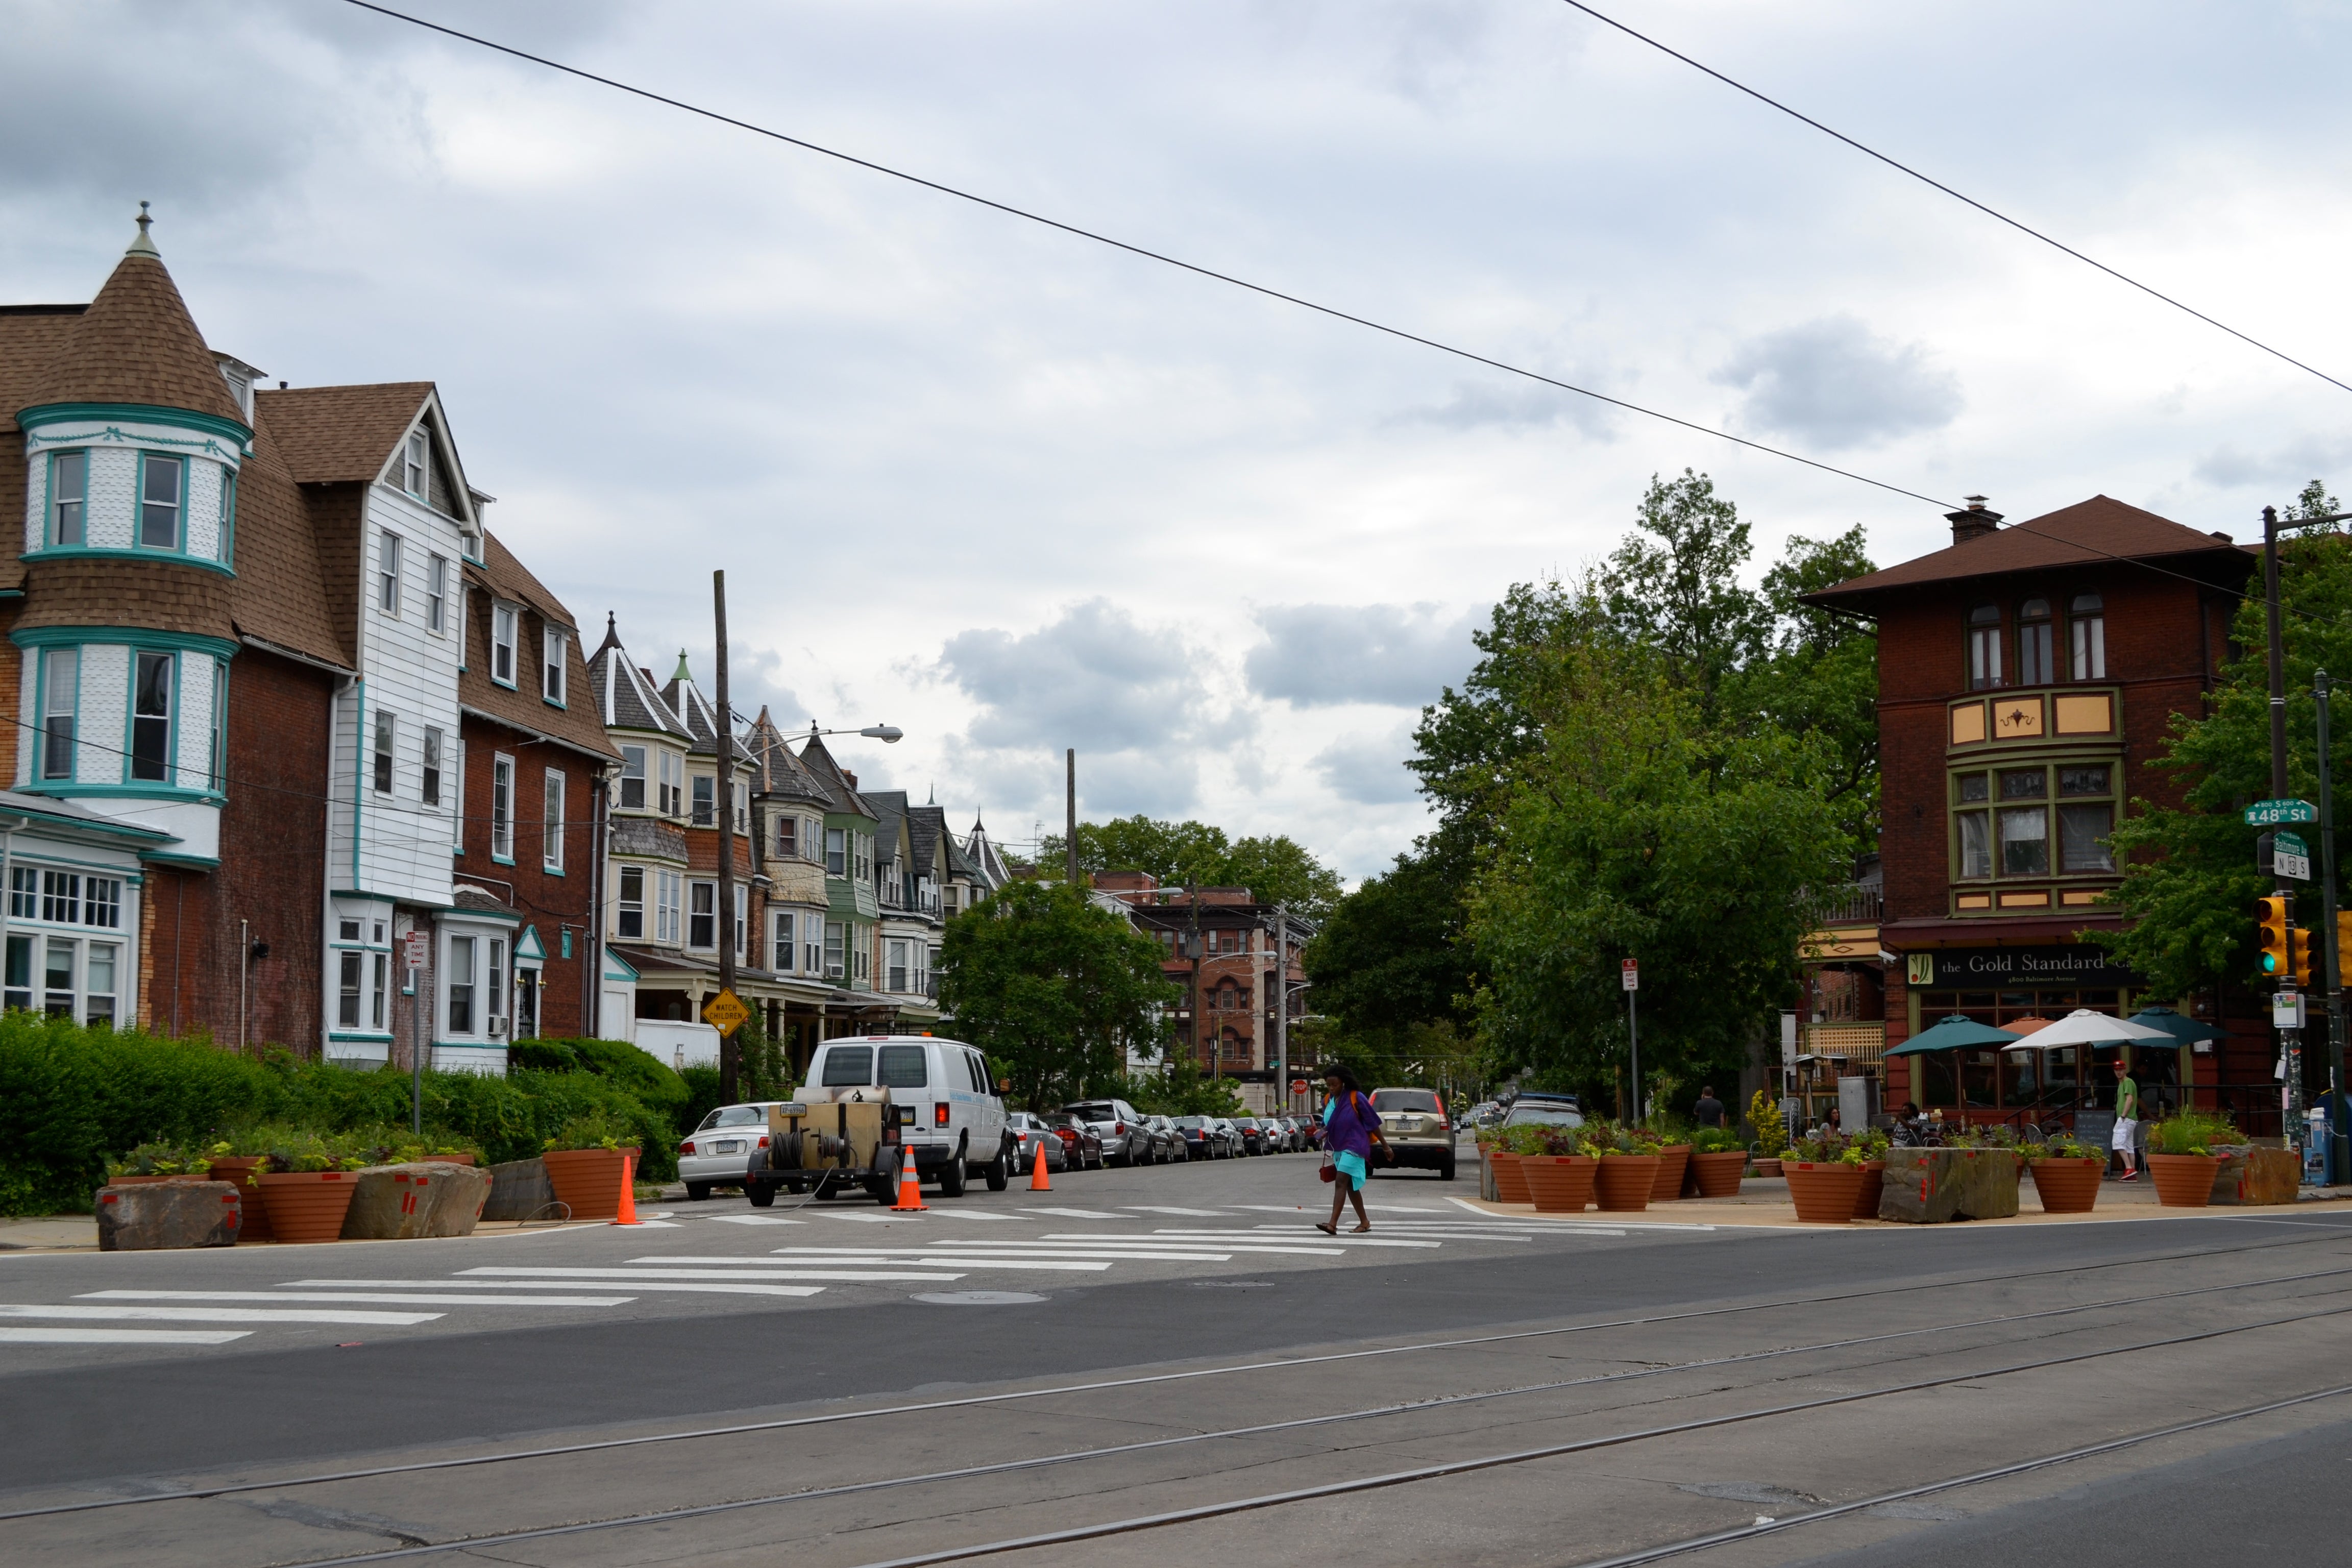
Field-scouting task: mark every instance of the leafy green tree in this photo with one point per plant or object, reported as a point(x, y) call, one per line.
point(1394, 954)
point(1275, 869)
point(1051, 988)
point(1674, 586)
point(1817, 676)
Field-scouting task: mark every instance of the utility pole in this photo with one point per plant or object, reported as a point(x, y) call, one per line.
point(730, 1055)
point(1192, 897)
point(1070, 835)
point(2290, 1039)
point(1281, 1005)
point(2339, 1151)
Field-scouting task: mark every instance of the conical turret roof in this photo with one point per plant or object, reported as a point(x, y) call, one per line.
point(137, 344)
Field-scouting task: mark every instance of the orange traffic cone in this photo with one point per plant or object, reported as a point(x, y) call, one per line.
point(1037, 1181)
point(910, 1187)
point(628, 1214)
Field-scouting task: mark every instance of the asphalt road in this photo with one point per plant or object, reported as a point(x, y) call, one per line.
point(1229, 1354)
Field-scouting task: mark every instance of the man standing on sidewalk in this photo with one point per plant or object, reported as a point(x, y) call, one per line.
point(2125, 1140)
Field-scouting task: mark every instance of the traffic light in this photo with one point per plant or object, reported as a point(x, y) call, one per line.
point(2343, 936)
point(2299, 945)
point(2276, 960)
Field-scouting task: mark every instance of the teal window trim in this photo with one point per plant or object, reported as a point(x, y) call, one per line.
point(563, 639)
point(31, 419)
point(41, 722)
point(140, 551)
point(340, 1038)
point(179, 546)
point(188, 862)
point(172, 769)
point(133, 636)
point(49, 498)
point(217, 770)
point(65, 788)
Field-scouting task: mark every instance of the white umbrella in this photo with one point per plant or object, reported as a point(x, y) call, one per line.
point(2084, 1027)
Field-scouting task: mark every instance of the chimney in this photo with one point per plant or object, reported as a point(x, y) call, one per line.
point(1973, 523)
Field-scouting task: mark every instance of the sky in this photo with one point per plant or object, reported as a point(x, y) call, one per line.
point(1014, 491)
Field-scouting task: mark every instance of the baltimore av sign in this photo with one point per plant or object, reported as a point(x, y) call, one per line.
point(1967, 968)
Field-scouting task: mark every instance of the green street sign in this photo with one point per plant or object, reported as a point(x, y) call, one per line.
point(2289, 844)
point(2270, 812)
point(2290, 857)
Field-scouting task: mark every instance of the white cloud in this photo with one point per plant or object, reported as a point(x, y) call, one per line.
point(1836, 383)
point(1368, 769)
point(1317, 655)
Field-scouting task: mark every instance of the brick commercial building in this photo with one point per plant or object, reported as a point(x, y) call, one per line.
point(2026, 676)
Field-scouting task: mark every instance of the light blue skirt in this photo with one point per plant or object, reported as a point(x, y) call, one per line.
point(1350, 1164)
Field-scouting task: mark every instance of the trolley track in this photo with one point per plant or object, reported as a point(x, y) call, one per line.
point(1412, 1475)
point(98, 1505)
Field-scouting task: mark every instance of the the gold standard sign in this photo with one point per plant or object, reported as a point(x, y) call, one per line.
point(725, 1012)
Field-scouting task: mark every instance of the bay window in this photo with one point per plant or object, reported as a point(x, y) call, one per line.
point(60, 693)
point(781, 948)
point(461, 984)
point(151, 717)
point(629, 921)
point(706, 789)
point(161, 481)
point(68, 497)
point(668, 889)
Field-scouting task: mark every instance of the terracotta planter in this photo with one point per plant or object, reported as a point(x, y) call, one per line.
point(588, 1181)
point(1865, 1197)
point(1510, 1181)
point(2183, 1181)
point(1669, 1184)
point(2067, 1186)
point(146, 1180)
point(446, 1159)
point(307, 1205)
point(237, 1170)
point(1718, 1173)
point(1765, 1169)
point(1824, 1190)
point(1560, 1184)
point(1621, 1183)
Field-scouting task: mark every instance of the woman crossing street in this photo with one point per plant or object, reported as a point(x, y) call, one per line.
point(1350, 1128)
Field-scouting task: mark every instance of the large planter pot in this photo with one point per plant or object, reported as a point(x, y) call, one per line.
point(1865, 1196)
point(447, 1159)
point(1767, 1170)
point(2068, 1186)
point(307, 1205)
point(1823, 1190)
point(1559, 1183)
point(1621, 1183)
point(1510, 1182)
point(1669, 1184)
point(588, 1181)
point(1718, 1173)
point(237, 1170)
point(2183, 1181)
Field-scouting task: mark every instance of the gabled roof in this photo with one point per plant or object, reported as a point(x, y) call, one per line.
point(775, 770)
point(890, 816)
point(2100, 531)
point(991, 871)
point(686, 699)
point(577, 723)
point(839, 795)
point(136, 344)
point(927, 833)
point(626, 700)
point(343, 434)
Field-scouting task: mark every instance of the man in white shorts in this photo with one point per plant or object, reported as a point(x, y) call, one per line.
point(2125, 1140)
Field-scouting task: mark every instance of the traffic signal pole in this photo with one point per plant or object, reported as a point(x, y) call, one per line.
point(2290, 1040)
point(2339, 1148)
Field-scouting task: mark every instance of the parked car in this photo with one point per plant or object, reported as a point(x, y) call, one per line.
point(1296, 1129)
point(1255, 1138)
point(1278, 1134)
point(716, 1152)
point(1204, 1137)
point(1082, 1146)
point(1168, 1144)
point(1416, 1129)
point(1028, 1134)
point(1125, 1140)
point(1533, 1108)
point(950, 1118)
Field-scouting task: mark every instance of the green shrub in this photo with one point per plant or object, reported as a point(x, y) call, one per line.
point(702, 1098)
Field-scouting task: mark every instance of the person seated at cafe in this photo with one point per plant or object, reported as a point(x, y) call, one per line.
point(1709, 1111)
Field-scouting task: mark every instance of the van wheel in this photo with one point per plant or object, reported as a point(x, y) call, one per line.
point(953, 1177)
point(762, 1194)
point(999, 1172)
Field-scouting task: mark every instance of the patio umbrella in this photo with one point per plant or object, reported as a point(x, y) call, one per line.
point(1954, 1033)
point(2184, 1031)
point(2084, 1027)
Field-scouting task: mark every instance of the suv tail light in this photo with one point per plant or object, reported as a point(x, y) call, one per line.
point(686, 1147)
point(940, 1113)
point(1118, 1127)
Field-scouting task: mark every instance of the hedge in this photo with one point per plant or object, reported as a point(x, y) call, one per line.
point(72, 1098)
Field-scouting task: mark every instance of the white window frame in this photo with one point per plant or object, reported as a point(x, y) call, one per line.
point(458, 794)
point(673, 784)
point(460, 985)
point(60, 710)
point(429, 769)
point(554, 642)
point(506, 631)
point(387, 573)
point(669, 898)
point(416, 467)
point(836, 942)
point(625, 906)
point(633, 771)
point(695, 889)
point(502, 774)
point(743, 923)
point(552, 824)
point(783, 952)
point(436, 594)
point(53, 534)
point(496, 988)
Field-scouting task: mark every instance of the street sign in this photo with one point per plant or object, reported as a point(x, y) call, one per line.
point(1630, 974)
point(2270, 812)
point(2291, 856)
point(2286, 1010)
point(725, 1012)
point(416, 949)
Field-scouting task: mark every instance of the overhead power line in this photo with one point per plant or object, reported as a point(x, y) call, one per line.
point(1995, 214)
point(1148, 254)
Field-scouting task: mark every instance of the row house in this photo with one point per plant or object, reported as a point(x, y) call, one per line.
point(252, 755)
point(1237, 960)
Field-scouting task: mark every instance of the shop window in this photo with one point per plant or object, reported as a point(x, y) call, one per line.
point(2088, 619)
point(1984, 648)
point(2033, 644)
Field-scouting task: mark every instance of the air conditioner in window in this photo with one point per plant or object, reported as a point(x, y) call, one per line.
point(497, 1029)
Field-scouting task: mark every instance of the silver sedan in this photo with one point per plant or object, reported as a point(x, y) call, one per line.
point(716, 1153)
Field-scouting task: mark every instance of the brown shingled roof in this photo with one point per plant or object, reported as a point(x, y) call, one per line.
point(2098, 530)
point(29, 336)
point(136, 344)
point(499, 574)
point(333, 434)
point(281, 594)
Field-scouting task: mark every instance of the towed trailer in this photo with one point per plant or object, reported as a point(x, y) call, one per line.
point(830, 1142)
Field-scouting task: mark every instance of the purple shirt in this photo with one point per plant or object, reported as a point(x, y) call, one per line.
point(1350, 1121)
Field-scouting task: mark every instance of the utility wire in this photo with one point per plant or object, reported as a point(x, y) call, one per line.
point(1997, 215)
point(1259, 289)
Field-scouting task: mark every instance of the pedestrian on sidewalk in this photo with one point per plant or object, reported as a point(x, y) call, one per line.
point(2125, 1140)
point(1709, 1111)
point(1350, 1128)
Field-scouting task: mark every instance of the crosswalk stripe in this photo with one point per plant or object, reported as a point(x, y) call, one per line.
point(970, 1213)
point(1172, 1251)
point(1071, 1214)
point(640, 1276)
point(1343, 1239)
point(753, 1219)
point(405, 1298)
point(908, 1258)
point(121, 1336)
point(1158, 1208)
point(667, 1285)
point(1140, 1246)
point(220, 1315)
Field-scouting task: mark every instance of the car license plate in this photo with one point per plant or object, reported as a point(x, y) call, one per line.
point(732, 1146)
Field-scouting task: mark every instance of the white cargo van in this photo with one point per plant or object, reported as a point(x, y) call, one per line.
point(950, 1118)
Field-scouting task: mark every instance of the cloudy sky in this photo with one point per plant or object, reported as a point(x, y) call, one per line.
point(1013, 491)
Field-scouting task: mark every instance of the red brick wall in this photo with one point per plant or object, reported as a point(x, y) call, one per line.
point(549, 903)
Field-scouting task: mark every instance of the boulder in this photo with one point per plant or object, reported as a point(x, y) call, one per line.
point(2253, 1174)
point(518, 1190)
point(402, 1203)
point(1929, 1187)
point(160, 1215)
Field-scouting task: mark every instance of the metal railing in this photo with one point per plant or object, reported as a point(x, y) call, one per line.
point(1852, 906)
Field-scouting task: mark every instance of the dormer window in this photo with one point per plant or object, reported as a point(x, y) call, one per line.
point(2088, 618)
point(505, 624)
point(1984, 646)
point(68, 497)
point(416, 467)
point(2034, 647)
point(160, 487)
point(552, 644)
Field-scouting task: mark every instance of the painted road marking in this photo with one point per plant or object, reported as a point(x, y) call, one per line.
point(121, 1336)
point(645, 1275)
point(221, 1315)
point(408, 1298)
point(670, 1285)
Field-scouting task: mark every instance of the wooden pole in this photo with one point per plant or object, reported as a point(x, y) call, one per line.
point(730, 1055)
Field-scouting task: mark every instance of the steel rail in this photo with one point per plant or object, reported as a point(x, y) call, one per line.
point(925, 1407)
point(1404, 1407)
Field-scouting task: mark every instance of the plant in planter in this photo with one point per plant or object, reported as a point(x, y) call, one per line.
point(1560, 1176)
point(1772, 1132)
point(1626, 1169)
point(1717, 1159)
point(305, 1182)
point(2067, 1172)
point(1825, 1177)
point(1672, 1133)
point(2181, 1156)
point(161, 1163)
point(1871, 1146)
point(587, 1161)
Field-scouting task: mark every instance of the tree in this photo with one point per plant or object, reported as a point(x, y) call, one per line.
point(1392, 954)
point(1052, 988)
point(1818, 676)
point(1678, 591)
point(1275, 869)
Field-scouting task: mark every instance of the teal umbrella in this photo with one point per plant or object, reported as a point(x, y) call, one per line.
point(2184, 1031)
point(1957, 1032)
